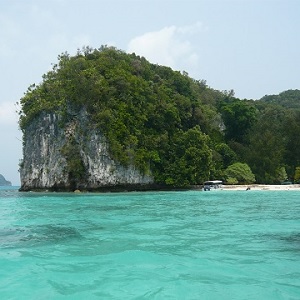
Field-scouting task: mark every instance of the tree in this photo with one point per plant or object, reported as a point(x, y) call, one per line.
point(281, 175)
point(228, 156)
point(189, 160)
point(297, 175)
point(289, 99)
point(238, 116)
point(239, 172)
point(291, 129)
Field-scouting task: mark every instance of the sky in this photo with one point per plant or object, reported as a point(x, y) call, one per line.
point(249, 46)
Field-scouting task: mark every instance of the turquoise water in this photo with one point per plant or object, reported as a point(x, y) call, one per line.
point(158, 245)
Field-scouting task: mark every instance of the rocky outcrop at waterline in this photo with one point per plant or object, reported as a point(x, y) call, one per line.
point(72, 157)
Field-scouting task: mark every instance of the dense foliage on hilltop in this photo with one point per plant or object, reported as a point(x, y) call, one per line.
point(165, 122)
point(288, 99)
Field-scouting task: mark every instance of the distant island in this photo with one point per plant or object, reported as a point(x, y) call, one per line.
point(3, 181)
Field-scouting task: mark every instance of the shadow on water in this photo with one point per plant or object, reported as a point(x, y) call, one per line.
point(292, 241)
point(36, 236)
point(282, 241)
point(292, 238)
point(101, 208)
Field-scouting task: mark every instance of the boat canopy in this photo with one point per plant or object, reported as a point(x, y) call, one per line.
point(213, 182)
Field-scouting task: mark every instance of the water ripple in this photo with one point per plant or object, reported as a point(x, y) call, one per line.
point(164, 245)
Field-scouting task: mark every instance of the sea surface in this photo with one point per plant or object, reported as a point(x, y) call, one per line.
point(156, 245)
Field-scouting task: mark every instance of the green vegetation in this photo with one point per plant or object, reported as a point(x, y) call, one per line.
point(75, 166)
point(297, 175)
point(239, 173)
point(288, 99)
point(166, 123)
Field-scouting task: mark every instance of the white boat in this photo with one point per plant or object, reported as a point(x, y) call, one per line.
point(212, 185)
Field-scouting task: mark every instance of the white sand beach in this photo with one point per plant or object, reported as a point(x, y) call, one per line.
point(258, 187)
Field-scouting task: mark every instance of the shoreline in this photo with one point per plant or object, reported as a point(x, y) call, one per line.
point(244, 187)
point(262, 187)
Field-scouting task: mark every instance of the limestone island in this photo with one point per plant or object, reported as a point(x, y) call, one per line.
point(3, 181)
point(105, 120)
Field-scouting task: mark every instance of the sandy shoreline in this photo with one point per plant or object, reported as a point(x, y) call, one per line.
point(262, 187)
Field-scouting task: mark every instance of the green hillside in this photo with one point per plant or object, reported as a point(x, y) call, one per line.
point(288, 99)
point(165, 122)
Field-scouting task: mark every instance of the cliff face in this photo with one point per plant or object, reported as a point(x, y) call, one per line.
point(72, 156)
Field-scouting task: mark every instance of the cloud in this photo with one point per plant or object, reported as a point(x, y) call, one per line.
point(171, 46)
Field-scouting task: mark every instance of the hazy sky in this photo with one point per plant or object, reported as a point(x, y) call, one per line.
point(250, 46)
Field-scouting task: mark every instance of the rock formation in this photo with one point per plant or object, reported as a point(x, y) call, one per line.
point(107, 120)
point(72, 157)
point(3, 181)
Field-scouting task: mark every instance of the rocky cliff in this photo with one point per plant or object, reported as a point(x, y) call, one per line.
point(105, 119)
point(72, 156)
point(3, 181)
